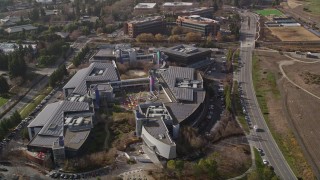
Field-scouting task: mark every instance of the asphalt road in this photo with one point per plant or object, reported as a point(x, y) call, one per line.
point(28, 97)
point(262, 139)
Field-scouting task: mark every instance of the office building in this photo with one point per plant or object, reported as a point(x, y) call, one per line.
point(154, 25)
point(196, 23)
point(206, 12)
point(61, 129)
point(172, 7)
point(158, 123)
point(185, 54)
point(145, 8)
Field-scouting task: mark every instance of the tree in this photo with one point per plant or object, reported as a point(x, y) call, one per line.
point(42, 12)
point(219, 37)
point(174, 39)
point(171, 164)
point(215, 6)
point(193, 37)
point(17, 65)
point(4, 86)
point(177, 30)
point(145, 37)
point(34, 14)
point(159, 37)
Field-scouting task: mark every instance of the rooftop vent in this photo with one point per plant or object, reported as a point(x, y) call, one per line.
point(161, 136)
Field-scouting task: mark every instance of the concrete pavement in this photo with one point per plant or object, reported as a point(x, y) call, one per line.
point(262, 139)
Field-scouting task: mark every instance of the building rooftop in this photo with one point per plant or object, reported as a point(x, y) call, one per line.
point(157, 114)
point(157, 128)
point(199, 19)
point(96, 72)
point(175, 4)
point(184, 50)
point(52, 122)
point(14, 29)
point(196, 9)
point(175, 74)
point(145, 19)
point(145, 5)
point(10, 47)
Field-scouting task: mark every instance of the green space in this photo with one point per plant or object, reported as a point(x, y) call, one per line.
point(268, 12)
point(287, 143)
point(314, 6)
point(24, 112)
point(3, 100)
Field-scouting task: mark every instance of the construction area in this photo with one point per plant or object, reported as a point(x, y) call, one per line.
point(292, 102)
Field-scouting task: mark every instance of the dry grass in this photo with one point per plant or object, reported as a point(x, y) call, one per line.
point(293, 34)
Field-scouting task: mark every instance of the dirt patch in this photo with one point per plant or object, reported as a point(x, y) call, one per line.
point(296, 73)
point(269, 63)
point(279, 120)
point(293, 3)
point(136, 73)
point(293, 34)
point(304, 112)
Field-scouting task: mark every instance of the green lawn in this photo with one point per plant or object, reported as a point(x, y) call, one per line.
point(3, 101)
point(268, 12)
point(34, 103)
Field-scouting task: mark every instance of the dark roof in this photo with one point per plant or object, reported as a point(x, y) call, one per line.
point(156, 128)
point(79, 80)
point(170, 76)
point(185, 50)
point(52, 123)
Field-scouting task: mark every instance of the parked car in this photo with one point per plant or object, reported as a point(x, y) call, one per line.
point(265, 162)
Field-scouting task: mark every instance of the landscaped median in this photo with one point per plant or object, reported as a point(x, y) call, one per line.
point(267, 92)
point(26, 110)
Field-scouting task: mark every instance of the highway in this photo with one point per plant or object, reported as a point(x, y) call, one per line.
point(262, 139)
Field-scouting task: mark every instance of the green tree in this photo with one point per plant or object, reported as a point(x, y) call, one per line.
point(17, 65)
point(171, 164)
point(4, 86)
point(34, 14)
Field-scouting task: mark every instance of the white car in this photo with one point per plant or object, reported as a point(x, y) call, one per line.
point(265, 162)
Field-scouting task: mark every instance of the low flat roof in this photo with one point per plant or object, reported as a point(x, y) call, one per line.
point(145, 5)
point(185, 50)
point(175, 4)
point(145, 19)
point(26, 27)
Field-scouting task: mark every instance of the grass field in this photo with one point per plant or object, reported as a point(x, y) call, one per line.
point(3, 101)
point(268, 12)
point(293, 34)
point(34, 103)
point(314, 6)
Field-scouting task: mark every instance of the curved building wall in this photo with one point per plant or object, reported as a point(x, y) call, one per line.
point(165, 150)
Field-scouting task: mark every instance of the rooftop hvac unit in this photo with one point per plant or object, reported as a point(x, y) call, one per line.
point(161, 136)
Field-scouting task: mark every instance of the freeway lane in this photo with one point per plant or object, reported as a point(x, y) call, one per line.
point(264, 139)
